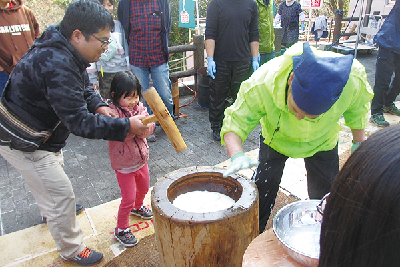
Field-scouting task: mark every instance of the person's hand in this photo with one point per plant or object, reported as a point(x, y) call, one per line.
point(136, 126)
point(303, 27)
point(255, 63)
point(240, 161)
point(211, 67)
point(104, 110)
point(354, 147)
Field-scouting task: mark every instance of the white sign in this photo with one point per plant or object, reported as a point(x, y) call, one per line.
point(311, 3)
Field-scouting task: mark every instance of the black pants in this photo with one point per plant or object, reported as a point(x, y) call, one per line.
point(322, 169)
point(224, 88)
point(386, 90)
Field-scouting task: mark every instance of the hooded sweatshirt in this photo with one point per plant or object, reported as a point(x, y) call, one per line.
point(262, 99)
point(50, 84)
point(18, 31)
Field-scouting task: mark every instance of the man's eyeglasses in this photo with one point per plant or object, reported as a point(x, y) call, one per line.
point(103, 43)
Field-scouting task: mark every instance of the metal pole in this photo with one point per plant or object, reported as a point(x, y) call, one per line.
point(198, 19)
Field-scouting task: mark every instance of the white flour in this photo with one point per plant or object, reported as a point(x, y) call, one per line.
point(203, 201)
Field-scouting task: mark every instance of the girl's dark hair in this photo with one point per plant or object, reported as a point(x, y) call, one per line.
point(361, 221)
point(87, 16)
point(124, 83)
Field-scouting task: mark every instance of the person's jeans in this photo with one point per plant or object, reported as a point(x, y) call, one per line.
point(224, 88)
point(44, 174)
point(161, 82)
point(3, 80)
point(322, 169)
point(385, 90)
point(134, 187)
point(264, 58)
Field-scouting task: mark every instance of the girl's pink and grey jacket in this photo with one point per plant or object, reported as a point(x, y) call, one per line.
point(133, 153)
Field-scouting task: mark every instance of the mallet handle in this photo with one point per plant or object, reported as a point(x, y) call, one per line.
point(149, 119)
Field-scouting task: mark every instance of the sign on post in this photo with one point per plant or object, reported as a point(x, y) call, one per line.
point(186, 14)
point(311, 3)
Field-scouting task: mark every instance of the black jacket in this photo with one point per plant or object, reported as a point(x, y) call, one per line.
point(50, 83)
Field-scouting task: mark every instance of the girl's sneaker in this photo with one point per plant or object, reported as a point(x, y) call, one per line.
point(143, 212)
point(125, 237)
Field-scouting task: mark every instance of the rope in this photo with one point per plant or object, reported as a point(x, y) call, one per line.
point(195, 95)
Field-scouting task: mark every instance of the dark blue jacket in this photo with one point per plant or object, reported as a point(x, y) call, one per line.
point(389, 34)
point(124, 11)
point(49, 84)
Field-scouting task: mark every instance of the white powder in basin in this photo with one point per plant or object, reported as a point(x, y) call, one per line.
point(203, 201)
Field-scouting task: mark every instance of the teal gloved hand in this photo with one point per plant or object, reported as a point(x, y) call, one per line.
point(303, 27)
point(240, 161)
point(354, 147)
point(211, 67)
point(255, 63)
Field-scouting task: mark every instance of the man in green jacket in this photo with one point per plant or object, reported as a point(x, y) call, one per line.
point(266, 30)
point(299, 105)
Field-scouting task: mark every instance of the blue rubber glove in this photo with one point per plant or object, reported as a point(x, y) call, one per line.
point(354, 147)
point(240, 161)
point(255, 63)
point(211, 67)
point(303, 27)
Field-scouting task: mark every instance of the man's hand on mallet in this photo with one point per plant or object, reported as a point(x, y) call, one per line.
point(136, 126)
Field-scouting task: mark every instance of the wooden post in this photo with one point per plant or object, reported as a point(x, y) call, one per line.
point(198, 55)
point(175, 97)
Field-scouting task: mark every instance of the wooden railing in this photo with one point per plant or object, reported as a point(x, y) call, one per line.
point(198, 59)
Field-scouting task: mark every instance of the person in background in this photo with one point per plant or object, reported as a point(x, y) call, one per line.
point(361, 219)
point(387, 62)
point(232, 53)
point(129, 158)
point(290, 14)
point(49, 89)
point(113, 60)
point(18, 31)
point(147, 24)
point(298, 98)
point(266, 30)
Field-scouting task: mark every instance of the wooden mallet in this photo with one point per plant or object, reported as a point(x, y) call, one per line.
point(161, 114)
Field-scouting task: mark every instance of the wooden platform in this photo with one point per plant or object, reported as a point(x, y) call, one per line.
point(347, 48)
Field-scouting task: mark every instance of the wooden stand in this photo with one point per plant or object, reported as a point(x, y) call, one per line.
point(219, 238)
point(266, 250)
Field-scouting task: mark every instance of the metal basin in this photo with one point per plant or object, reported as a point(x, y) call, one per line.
point(298, 227)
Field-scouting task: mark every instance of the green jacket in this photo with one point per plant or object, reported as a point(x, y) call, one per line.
point(262, 99)
point(266, 27)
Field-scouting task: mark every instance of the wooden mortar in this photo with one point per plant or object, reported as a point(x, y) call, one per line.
point(204, 239)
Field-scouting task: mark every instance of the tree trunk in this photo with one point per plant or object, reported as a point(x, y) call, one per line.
point(338, 23)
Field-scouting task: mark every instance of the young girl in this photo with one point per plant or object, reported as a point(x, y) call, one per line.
point(129, 158)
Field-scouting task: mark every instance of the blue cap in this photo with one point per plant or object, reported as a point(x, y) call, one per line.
point(318, 81)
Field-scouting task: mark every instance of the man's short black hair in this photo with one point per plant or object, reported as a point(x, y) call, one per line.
point(110, 1)
point(87, 16)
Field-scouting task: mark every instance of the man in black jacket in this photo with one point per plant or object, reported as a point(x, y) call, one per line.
point(49, 88)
